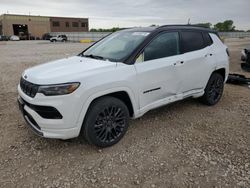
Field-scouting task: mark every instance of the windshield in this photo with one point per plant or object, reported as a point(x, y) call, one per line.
point(116, 46)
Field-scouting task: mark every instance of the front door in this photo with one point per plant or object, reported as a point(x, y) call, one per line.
point(156, 69)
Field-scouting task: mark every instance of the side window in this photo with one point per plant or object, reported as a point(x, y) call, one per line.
point(207, 39)
point(191, 41)
point(164, 45)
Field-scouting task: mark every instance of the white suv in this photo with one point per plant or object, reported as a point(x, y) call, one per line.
point(122, 76)
point(59, 38)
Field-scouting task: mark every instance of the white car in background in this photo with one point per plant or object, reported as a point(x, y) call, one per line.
point(14, 38)
point(122, 76)
point(59, 38)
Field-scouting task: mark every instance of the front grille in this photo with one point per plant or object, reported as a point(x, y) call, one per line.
point(28, 88)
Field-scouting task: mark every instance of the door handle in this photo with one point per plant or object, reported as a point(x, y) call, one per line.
point(207, 55)
point(178, 63)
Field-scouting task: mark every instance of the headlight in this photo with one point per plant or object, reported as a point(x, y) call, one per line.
point(59, 89)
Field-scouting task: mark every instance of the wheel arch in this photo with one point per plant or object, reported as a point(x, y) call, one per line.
point(221, 71)
point(124, 94)
point(121, 95)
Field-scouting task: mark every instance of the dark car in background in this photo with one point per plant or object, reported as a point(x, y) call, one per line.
point(4, 38)
point(46, 36)
point(245, 57)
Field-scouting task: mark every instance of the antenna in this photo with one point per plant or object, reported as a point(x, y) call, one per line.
point(189, 21)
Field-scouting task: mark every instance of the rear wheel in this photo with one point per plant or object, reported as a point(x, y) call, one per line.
point(106, 122)
point(213, 90)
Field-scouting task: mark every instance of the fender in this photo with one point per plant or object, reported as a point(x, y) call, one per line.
point(94, 96)
point(226, 70)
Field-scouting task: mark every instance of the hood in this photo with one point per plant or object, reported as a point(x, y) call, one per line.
point(65, 70)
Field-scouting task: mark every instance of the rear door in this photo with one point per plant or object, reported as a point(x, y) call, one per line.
point(155, 67)
point(195, 66)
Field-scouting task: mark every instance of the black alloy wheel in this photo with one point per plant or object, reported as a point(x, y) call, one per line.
point(214, 90)
point(110, 124)
point(106, 122)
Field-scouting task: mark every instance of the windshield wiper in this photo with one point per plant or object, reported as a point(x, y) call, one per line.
point(94, 56)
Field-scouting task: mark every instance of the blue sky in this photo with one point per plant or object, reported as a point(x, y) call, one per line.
point(128, 13)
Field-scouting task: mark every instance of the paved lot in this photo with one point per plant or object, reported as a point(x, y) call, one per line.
point(180, 145)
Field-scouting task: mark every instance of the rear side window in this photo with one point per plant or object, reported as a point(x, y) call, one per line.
point(164, 45)
point(191, 41)
point(207, 39)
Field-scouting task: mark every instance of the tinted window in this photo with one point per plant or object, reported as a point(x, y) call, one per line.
point(207, 39)
point(191, 41)
point(56, 24)
point(165, 45)
point(75, 24)
point(84, 24)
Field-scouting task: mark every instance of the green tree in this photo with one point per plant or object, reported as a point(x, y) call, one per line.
point(93, 30)
point(206, 25)
point(114, 29)
point(225, 26)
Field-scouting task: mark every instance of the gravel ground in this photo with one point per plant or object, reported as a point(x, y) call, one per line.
point(185, 144)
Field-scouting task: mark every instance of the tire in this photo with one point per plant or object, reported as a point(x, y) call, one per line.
point(106, 122)
point(213, 90)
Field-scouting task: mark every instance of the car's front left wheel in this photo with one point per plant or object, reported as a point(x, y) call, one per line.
point(106, 122)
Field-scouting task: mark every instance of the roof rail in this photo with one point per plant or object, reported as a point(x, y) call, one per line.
point(188, 26)
point(183, 25)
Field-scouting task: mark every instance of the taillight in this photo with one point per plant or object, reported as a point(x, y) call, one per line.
point(228, 52)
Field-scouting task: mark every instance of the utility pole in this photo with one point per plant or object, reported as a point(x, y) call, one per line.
point(189, 21)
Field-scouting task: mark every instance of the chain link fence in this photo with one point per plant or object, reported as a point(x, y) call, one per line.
point(78, 36)
point(234, 34)
point(95, 36)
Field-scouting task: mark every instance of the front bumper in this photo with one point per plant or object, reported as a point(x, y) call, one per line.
point(28, 118)
point(65, 128)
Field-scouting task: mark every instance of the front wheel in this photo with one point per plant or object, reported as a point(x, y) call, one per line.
point(106, 122)
point(213, 90)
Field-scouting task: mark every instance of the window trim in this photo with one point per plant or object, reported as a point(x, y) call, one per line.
point(182, 43)
point(154, 37)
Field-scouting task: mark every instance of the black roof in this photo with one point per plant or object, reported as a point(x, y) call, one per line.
point(170, 27)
